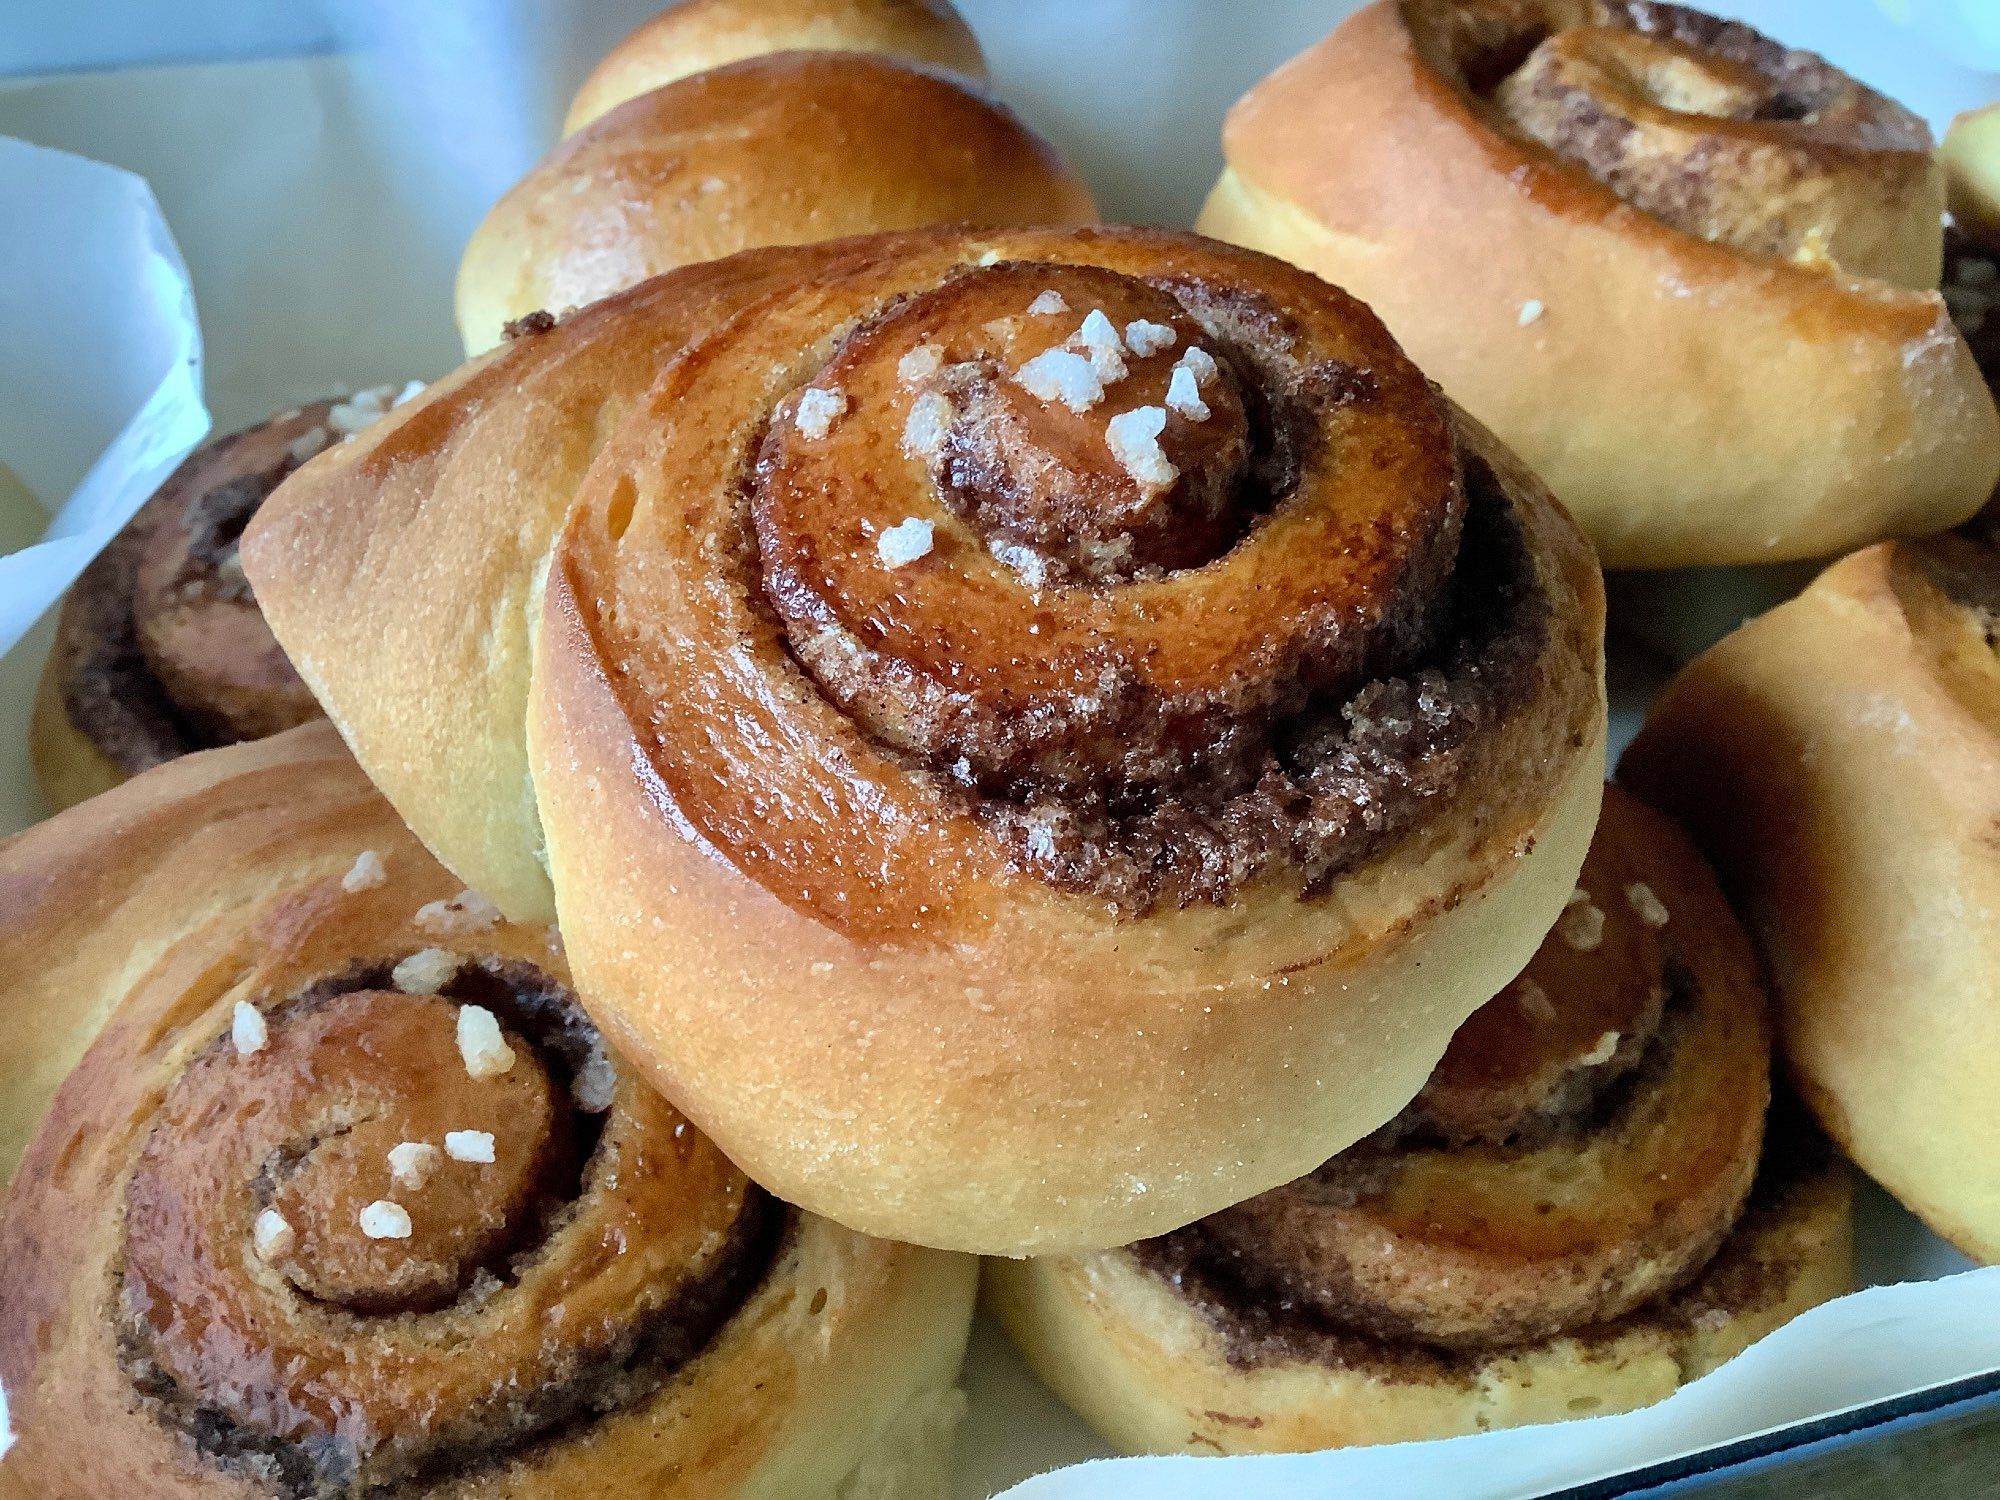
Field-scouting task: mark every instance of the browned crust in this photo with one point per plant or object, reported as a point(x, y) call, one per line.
point(1693, 436)
point(777, 150)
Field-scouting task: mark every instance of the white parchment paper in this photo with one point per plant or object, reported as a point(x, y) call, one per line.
point(100, 384)
point(321, 166)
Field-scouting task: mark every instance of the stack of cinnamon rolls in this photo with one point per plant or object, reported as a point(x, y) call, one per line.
point(840, 743)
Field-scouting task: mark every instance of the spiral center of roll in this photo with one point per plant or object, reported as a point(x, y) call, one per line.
point(1024, 416)
point(369, 1140)
point(1708, 125)
point(411, 1212)
point(1059, 529)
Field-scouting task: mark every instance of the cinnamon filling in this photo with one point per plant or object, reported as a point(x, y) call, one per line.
point(1581, 1151)
point(361, 1253)
point(1217, 594)
point(1259, 1329)
point(164, 650)
point(1704, 123)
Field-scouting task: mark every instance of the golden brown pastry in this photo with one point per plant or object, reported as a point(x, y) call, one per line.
point(1839, 761)
point(695, 35)
point(349, 1197)
point(1580, 1211)
point(778, 146)
point(1689, 275)
point(1032, 734)
point(159, 647)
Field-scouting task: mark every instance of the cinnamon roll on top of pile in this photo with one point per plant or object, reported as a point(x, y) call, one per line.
point(349, 1196)
point(1689, 273)
point(1032, 734)
point(160, 647)
point(1580, 1210)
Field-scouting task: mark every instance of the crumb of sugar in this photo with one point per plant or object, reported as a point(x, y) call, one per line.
point(411, 1164)
point(247, 1029)
point(1144, 338)
point(925, 428)
point(467, 912)
point(366, 873)
point(905, 542)
point(1530, 311)
point(1134, 437)
point(481, 1044)
point(1199, 363)
point(919, 363)
point(1048, 304)
point(1184, 395)
point(1060, 375)
point(1534, 1001)
point(469, 1145)
point(1649, 908)
point(595, 1084)
point(1581, 924)
point(424, 972)
point(272, 1235)
point(308, 443)
point(384, 1220)
point(817, 410)
point(1101, 343)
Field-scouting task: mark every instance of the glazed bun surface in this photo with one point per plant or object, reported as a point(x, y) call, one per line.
point(1690, 276)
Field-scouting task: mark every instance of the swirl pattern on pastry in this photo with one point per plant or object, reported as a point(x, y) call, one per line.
point(352, 1198)
point(160, 647)
point(1689, 274)
point(1251, 644)
point(967, 652)
point(1709, 125)
point(1571, 1208)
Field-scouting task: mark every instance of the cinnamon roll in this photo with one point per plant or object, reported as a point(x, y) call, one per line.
point(726, 124)
point(1032, 735)
point(1839, 760)
point(350, 1197)
point(1689, 274)
point(1582, 1209)
point(160, 648)
point(693, 36)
